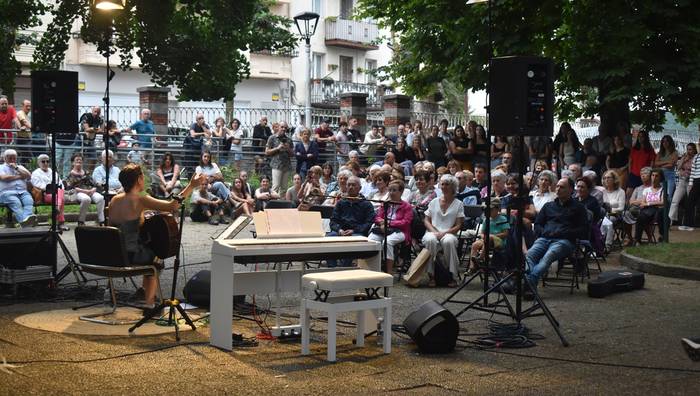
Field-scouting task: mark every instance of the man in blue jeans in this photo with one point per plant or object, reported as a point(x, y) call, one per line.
point(13, 189)
point(352, 215)
point(559, 223)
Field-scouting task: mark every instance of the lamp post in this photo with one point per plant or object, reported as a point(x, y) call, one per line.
point(107, 6)
point(306, 24)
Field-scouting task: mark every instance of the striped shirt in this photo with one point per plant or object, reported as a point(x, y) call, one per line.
point(694, 170)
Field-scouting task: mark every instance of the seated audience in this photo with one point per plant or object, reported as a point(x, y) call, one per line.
point(465, 192)
point(614, 199)
point(558, 225)
point(42, 180)
point(241, 194)
point(634, 205)
point(13, 189)
point(342, 190)
point(99, 176)
point(443, 219)
point(381, 182)
point(404, 156)
point(168, 176)
point(207, 206)
point(498, 230)
point(215, 179)
point(352, 215)
point(81, 189)
point(264, 194)
point(651, 206)
point(399, 217)
point(543, 193)
point(327, 175)
point(294, 191)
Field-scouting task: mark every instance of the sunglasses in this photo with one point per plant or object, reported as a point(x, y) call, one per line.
point(44, 161)
point(394, 190)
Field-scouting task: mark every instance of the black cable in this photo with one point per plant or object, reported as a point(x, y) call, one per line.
point(110, 357)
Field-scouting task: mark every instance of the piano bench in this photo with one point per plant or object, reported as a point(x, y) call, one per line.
point(326, 282)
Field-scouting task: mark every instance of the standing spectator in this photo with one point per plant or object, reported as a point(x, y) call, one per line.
point(683, 171)
point(215, 179)
point(115, 135)
point(279, 150)
point(540, 149)
point(90, 125)
point(81, 189)
point(618, 160)
point(144, 132)
point(351, 216)
point(13, 189)
point(404, 156)
point(444, 133)
point(569, 149)
point(373, 140)
point(498, 148)
point(398, 223)
point(560, 138)
point(24, 135)
point(99, 175)
point(134, 156)
point(261, 133)
point(194, 143)
point(481, 145)
point(323, 135)
point(693, 196)
point(353, 124)
point(443, 219)
point(42, 178)
point(342, 142)
point(461, 148)
point(436, 147)
point(642, 155)
point(602, 144)
point(666, 160)
point(219, 134)
point(234, 142)
point(8, 120)
point(306, 152)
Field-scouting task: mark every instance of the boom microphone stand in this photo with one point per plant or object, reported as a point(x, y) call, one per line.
point(172, 303)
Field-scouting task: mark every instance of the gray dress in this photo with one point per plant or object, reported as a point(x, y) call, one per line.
point(138, 252)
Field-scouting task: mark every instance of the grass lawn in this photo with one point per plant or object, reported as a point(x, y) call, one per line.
point(686, 254)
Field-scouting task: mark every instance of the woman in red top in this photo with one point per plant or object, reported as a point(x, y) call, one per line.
point(399, 220)
point(641, 155)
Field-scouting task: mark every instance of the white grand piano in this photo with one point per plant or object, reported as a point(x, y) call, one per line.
point(297, 237)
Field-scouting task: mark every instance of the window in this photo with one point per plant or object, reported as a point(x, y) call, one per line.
point(346, 68)
point(370, 65)
point(316, 6)
point(346, 9)
point(317, 65)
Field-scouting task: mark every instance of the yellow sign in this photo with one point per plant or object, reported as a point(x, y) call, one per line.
point(81, 85)
point(275, 97)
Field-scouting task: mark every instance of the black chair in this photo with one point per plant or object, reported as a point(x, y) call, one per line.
point(102, 252)
point(470, 230)
point(326, 211)
point(279, 204)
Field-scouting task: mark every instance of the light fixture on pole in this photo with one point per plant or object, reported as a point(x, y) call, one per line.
point(107, 6)
point(306, 24)
point(110, 4)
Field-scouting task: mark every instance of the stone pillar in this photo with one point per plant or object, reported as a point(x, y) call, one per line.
point(397, 110)
point(354, 104)
point(156, 100)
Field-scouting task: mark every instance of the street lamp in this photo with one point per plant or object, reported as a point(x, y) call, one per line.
point(107, 6)
point(306, 24)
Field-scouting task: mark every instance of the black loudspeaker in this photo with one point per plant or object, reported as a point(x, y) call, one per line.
point(521, 100)
point(26, 247)
point(433, 328)
point(55, 102)
point(198, 288)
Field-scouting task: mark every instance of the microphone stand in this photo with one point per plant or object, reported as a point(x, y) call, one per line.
point(172, 303)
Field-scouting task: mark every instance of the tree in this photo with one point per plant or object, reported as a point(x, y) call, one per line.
point(196, 45)
point(637, 59)
point(16, 15)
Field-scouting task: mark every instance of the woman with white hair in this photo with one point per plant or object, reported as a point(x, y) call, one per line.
point(543, 193)
point(13, 189)
point(41, 179)
point(443, 219)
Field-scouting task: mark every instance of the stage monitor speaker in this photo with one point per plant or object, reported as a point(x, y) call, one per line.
point(521, 100)
point(433, 328)
point(197, 291)
point(55, 102)
point(22, 248)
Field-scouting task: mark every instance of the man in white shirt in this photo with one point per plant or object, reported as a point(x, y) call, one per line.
point(99, 175)
point(13, 189)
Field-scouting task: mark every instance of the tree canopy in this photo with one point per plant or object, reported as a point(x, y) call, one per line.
point(610, 56)
point(196, 45)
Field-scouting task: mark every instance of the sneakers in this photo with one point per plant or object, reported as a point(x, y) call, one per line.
point(223, 220)
point(30, 221)
point(213, 220)
point(685, 228)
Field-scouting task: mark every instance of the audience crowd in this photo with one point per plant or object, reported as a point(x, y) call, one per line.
point(408, 189)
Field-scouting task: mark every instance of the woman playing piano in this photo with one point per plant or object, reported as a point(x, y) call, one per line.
point(126, 213)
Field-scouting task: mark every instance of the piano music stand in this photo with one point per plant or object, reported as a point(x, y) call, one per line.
point(172, 303)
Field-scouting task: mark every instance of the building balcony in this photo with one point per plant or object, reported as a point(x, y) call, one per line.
point(270, 65)
point(351, 34)
point(82, 53)
point(326, 93)
point(25, 52)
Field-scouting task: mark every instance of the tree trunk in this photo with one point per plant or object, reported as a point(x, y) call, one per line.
point(613, 114)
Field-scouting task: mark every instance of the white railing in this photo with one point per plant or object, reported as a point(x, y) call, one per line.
point(327, 92)
point(364, 33)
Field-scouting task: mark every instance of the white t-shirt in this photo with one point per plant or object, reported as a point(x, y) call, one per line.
point(444, 221)
point(237, 135)
point(41, 179)
point(208, 170)
point(540, 199)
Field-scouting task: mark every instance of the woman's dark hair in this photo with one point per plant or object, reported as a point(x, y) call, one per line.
point(481, 134)
point(659, 172)
point(167, 155)
point(264, 178)
point(244, 187)
point(75, 155)
point(129, 175)
point(384, 175)
point(575, 142)
point(662, 150)
point(647, 144)
point(693, 145)
point(327, 165)
point(586, 181)
point(201, 162)
point(422, 175)
point(111, 124)
point(459, 128)
point(230, 124)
